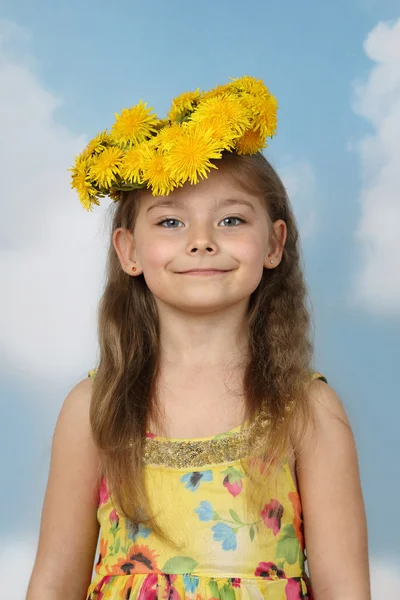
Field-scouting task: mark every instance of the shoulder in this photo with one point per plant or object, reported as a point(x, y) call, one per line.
point(76, 405)
point(327, 412)
point(331, 495)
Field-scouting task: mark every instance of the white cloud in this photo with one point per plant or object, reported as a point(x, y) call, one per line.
point(377, 284)
point(52, 251)
point(17, 558)
point(385, 579)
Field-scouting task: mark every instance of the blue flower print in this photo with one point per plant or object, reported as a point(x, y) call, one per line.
point(192, 480)
point(205, 511)
point(191, 583)
point(137, 531)
point(225, 534)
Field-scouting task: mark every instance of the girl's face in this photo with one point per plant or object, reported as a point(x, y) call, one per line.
point(211, 225)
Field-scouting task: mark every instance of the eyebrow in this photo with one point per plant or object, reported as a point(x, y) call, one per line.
point(178, 204)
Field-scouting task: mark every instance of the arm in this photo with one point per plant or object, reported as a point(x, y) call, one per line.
point(333, 508)
point(69, 528)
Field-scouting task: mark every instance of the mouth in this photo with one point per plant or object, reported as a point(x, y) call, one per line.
point(204, 272)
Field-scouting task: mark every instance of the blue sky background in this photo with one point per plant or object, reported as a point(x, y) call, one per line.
point(72, 66)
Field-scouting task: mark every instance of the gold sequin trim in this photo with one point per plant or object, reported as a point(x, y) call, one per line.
point(181, 454)
point(219, 449)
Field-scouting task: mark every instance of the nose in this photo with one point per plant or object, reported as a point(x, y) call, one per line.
point(202, 240)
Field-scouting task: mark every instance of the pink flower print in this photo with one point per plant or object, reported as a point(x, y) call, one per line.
point(234, 488)
point(269, 570)
point(149, 590)
point(236, 581)
point(272, 515)
point(293, 589)
point(150, 435)
point(114, 518)
point(171, 592)
point(97, 593)
point(104, 494)
point(233, 480)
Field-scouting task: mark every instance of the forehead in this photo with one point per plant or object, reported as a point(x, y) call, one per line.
point(216, 191)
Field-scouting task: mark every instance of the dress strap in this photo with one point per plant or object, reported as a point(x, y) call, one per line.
point(318, 375)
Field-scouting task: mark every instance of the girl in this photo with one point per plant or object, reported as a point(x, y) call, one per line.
point(211, 457)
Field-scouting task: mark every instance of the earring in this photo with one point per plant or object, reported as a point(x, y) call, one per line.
point(272, 262)
point(133, 268)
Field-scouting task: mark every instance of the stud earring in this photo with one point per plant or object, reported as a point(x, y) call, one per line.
point(133, 268)
point(272, 262)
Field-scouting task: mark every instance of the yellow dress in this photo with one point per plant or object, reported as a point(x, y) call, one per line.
point(199, 485)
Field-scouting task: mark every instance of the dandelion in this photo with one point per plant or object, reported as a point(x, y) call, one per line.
point(157, 175)
point(225, 110)
point(80, 181)
point(97, 144)
point(105, 168)
point(183, 104)
point(252, 141)
point(190, 157)
point(132, 164)
point(134, 125)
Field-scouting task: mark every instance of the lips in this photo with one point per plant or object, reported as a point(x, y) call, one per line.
point(205, 271)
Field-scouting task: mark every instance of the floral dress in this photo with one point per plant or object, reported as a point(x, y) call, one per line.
point(198, 485)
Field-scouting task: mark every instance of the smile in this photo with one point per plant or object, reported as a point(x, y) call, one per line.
point(204, 272)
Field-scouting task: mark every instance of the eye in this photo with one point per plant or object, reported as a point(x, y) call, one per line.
point(233, 219)
point(171, 220)
point(168, 221)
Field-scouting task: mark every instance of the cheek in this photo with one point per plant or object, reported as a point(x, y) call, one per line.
point(250, 251)
point(158, 254)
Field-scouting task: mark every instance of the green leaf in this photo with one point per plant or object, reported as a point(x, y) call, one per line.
point(117, 545)
point(216, 517)
point(213, 588)
point(179, 564)
point(235, 516)
point(226, 592)
point(234, 475)
point(235, 529)
point(288, 546)
point(251, 532)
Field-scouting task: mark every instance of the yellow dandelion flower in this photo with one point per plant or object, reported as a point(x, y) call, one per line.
point(226, 109)
point(134, 125)
point(161, 123)
point(132, 163)
point(183, 104)
point(80, 181)
point(221, 131)
point(264, 111)
point(105, 167)
point(251, 85)
point(97, 144)
point(190, 156)
point(167, 136)
point(158, 176)
point(252, 141)
point(219, 90)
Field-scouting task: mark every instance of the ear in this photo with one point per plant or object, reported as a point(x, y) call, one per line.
point(278, 235)
point(125, 248)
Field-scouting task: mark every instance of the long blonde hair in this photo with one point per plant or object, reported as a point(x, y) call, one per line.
point(276, 374)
